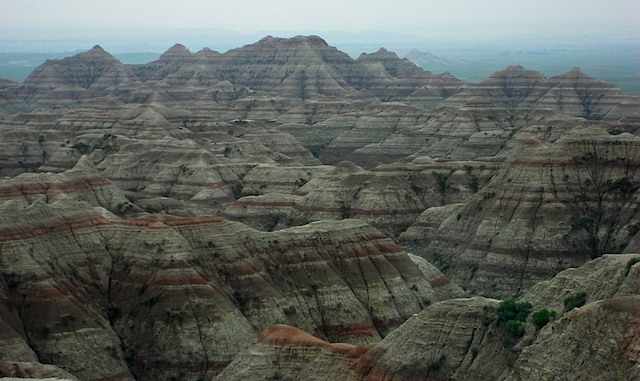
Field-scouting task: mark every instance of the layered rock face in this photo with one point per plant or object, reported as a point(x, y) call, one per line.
point(297, 69)
point(79, 79)
point(465, 339)
point(147, 150)
point(551, 208)
point(158, 296)
point(430, 345)
point(388, 197)
point(573, 93)
point(371, 135)
point(155, 218)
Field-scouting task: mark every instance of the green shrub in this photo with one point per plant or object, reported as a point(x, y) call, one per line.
point(441, 262)
point(473, 185)
point(575, 301)
point(290, 311)
point(510, 309)
point(82, 147)
point(515, 327)
point(541, 317)
point(441, 180)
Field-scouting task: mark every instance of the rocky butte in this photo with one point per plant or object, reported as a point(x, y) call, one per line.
point(284, 211)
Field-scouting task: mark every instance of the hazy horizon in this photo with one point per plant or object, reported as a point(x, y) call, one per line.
point(477, 37)
point(130, 25)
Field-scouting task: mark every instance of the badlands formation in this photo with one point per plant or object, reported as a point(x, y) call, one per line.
point(282, 211)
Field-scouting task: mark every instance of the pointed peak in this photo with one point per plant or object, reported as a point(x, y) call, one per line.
point(576, 72)
point(96, 53)
point(345, 167)
point(385, 53)
point(84, 164)
point(206, 52)
point(513, 71)
point(97, 49)
point(177, 50)
point(268, 38)
point(382, 53)
point(448, 76)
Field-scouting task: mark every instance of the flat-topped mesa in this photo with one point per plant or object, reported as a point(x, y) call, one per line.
point(311, 40)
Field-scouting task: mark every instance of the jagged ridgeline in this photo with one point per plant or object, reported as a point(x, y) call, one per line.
point(284, 211)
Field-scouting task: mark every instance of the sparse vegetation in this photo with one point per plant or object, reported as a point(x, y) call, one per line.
point(541, 317)
point(441, 263)
point(441, 181)
point(515, 327)
point(575, 301)
point(510, 309)
point(598, 185)
point(513, 314)
point(436, 364)
point(152, 301)
point(82, 147)
point(473, 184)
point(290, 311)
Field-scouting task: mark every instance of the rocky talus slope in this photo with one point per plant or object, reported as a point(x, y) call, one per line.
point(464, 339)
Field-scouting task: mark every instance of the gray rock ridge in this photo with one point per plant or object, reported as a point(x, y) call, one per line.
point(299, 68)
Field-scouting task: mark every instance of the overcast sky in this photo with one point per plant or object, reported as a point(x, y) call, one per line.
point(467, 18)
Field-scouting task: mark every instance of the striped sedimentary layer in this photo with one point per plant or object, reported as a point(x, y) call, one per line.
point(157, 296)
point(388, 197)
point(465, 339)
point(552, 207)
point(298, 69)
